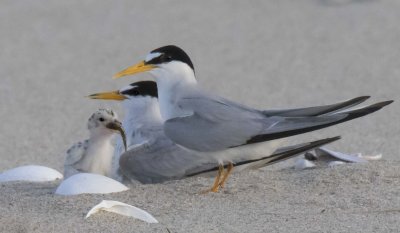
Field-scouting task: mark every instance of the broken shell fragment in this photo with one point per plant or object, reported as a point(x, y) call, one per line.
point(338, 155)
point(335, 163)
point(372, 157)
point(122, 209)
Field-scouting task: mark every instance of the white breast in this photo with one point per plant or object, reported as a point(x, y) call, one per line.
point(98, 158)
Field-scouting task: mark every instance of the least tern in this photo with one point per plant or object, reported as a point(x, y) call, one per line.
point(152, 157)
point(201, 121)
point(94, 155)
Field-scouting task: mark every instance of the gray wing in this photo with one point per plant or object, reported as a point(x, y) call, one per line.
point(216, 124)
point(161, 160)
point(73, 156)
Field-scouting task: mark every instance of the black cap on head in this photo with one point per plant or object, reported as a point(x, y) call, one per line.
point(170, 53)
point(143, 88)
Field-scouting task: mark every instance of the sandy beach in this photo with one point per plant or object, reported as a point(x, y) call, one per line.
point(265, 54)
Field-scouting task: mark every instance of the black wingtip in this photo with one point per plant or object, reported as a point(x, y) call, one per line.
point(384, 103)
point(278, 157)
point(325, 140)
point(371, 108)
point(331, 139)
point(291, 153)
point(350, 115)
point(362, 98)
point(346, 104)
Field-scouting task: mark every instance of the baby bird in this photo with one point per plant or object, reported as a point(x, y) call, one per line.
point(94, 155)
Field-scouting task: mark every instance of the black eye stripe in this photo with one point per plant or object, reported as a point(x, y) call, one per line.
point(131, 92)
point(143, 88)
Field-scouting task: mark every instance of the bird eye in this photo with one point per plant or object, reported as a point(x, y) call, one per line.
point(165, 58)
point(135, 92)
point(101, 119)
point(168, 58)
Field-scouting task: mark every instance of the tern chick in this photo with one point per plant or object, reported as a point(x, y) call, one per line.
point(94, 155)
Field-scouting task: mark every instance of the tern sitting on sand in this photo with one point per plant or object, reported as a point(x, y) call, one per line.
point(94, 155)
point(153, 158)
point(204, 122)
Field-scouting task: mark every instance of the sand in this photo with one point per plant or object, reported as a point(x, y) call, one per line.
point(266, 54)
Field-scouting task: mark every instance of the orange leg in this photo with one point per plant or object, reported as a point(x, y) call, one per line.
point(216, 184)
point(226, 175)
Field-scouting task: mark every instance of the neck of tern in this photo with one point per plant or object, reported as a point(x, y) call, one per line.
point(142, 114)
point(172, 80)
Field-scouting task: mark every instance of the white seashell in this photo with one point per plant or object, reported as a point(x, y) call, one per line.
point(339, 155)
point(122, 209)
point(89, 183)
point(32, 173)
point(358, 155)
point(335, 163)
point(372, 157)
point(302, 163)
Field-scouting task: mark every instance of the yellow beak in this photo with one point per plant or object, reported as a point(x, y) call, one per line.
point(111, 95)
point(135, 69)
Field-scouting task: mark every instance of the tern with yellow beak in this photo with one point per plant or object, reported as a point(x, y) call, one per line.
point(153, 158)
point(94, 155)
point(202, 121)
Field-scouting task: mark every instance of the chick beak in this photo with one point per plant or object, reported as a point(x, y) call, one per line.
point(117, 126)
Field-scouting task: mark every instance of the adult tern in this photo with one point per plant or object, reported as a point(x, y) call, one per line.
point(204, 122)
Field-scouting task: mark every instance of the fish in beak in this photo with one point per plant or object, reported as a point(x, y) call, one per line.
point(117, 126)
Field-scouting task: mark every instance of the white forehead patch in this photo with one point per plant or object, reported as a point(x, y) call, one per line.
point(151, 56)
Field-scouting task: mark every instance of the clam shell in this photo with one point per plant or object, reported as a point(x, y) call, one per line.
point(31, 173)
point(89, 183)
